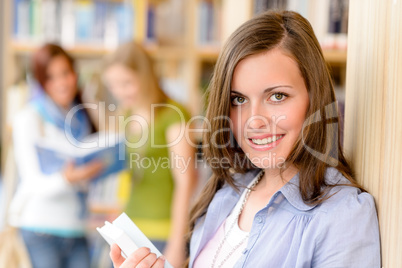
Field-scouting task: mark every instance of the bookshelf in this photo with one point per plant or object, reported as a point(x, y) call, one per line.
point(185, 53)
point(205, 24)
point(183, 36)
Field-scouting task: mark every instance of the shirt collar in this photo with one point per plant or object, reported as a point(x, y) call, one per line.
point(243, 180)
point(291, 189)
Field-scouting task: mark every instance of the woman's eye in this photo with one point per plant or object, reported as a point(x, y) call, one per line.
point(277, 97)
point(238, 100)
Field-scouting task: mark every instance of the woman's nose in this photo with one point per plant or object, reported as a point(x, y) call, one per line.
point(259, 118)
point(257, 122)
point(61, 80)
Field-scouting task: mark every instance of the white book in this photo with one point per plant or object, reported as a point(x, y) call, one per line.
point(127, 236)
point(67, 24)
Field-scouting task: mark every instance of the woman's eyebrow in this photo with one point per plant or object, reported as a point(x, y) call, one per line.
point(267, 90)
point(237, 93)
point(274, 87)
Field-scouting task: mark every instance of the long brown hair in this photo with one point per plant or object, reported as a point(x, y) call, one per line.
point(318, 146)
point(42, 58)
point(40, 62)
point(133, 56)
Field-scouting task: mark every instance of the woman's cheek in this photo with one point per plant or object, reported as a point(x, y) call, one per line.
point(235, 124)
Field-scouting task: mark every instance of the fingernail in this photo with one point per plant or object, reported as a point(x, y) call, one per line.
point(162, 258)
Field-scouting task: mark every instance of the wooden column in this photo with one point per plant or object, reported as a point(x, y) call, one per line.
point(7, 67)
point(373, 116)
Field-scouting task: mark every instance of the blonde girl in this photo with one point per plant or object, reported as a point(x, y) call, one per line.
point(160, 158)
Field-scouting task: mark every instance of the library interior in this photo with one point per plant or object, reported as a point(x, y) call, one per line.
point(361, 43)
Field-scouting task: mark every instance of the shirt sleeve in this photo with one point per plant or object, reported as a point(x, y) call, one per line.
point(26, 132)
point(349, 233)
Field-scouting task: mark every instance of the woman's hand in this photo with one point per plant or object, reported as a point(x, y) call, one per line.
point(142, 257)
point(74, 174)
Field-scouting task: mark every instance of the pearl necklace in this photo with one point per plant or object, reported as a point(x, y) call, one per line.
point(249, 189)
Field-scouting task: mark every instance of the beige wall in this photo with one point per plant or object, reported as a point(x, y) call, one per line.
point(373, 123)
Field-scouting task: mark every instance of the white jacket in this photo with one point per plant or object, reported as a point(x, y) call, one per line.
point(41, 201)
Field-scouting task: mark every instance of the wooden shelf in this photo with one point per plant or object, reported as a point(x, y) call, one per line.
point(20, 48)
point(335, 56)
point(332, 56)
point(167, 53)
point(208, 52)
point(92, 51)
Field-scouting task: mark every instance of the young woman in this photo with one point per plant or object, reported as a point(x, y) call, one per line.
point(161, 160)
point(49, 207)
point(287, 198)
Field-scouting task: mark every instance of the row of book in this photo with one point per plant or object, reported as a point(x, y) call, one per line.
point(108, 23)
point(329, 18)
point(72, 22)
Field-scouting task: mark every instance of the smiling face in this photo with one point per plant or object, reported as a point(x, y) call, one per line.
point(269, 101)
point(61, 81)
point(124, 84)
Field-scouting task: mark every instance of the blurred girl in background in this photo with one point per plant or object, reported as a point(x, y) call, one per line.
point(50, 209)
point(162, 167)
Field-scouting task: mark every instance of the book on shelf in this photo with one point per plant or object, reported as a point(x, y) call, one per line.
point(84, 21)
point(150, 35)
point(74, 22)
point(67, 31)
point(263, 5)
point(170, 23)
point(100, 15)
point(21, 19)
point(337, 24)
point(209, 14)
point(125, 21)
point(106, 148)
point(50, 20)
point(123, 232)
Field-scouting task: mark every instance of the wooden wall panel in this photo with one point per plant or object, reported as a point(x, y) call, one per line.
point(373, 114)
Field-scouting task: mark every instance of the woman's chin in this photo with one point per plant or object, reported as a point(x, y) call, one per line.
point(128, 105)
point(268, 162)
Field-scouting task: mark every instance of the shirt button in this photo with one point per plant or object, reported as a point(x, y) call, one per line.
point(245, 251)
point(259, 219)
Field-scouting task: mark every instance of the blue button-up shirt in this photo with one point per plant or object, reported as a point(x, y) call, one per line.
point(341, 232)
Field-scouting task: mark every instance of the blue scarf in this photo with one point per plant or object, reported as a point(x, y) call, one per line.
point(80, 127)
point(50, 112)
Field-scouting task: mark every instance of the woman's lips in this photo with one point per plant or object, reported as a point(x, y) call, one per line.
point(265, 142)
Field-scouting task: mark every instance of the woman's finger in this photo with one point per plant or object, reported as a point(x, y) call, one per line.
point(115, 255)
point(160, 262)
point(135, 260)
